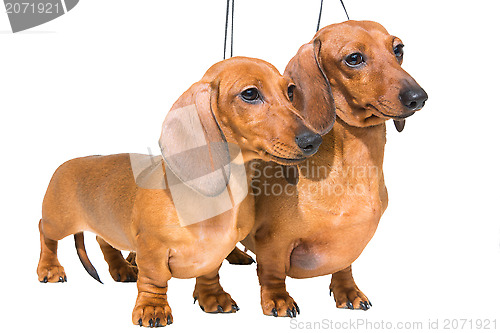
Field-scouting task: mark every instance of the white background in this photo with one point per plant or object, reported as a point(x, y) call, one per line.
point(100, 79)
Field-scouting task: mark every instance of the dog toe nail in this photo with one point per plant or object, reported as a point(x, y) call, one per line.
point(235, 307)
point(151, 323)
point(274, 312)
point(219, 308)
point(140, 322)
point(296, 307)
point(157, 323)
point(289, 313)
point(195, 299)
point(169, 320)
point(202, 308)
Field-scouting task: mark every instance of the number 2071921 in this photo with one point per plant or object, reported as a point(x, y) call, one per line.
point(32, 8)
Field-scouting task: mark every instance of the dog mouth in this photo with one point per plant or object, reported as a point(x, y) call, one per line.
point(283, 160)
point(401, 117)
point(386, 108)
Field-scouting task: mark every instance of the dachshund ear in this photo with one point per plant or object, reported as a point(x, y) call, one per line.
point(193, 144)
point(400, 125)
point(313, 95)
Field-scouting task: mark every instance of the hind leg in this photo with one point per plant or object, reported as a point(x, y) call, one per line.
point(131, 259)
point(49, 269)
point(238, 257)
point(120, 269)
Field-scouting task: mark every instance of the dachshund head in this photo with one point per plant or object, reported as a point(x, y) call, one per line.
point(362, 63)
point(240, 102)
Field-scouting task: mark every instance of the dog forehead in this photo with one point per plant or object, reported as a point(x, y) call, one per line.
point(265, 78)
point(369, 26)
point(353, 31)
point(339, 39)
point(240, 68)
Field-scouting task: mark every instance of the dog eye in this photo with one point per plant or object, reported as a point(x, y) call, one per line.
point(354, 59)
point(250, 95)
point(398, 50)
point(290, 92)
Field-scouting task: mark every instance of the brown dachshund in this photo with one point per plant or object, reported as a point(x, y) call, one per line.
point(241, 102)
point(323, 224)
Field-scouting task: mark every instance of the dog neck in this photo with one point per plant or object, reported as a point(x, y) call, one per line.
point(350, 146)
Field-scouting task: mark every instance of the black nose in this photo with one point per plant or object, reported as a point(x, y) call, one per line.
point(308, 142)
point(413, 98)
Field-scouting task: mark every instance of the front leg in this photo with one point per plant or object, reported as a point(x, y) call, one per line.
point(346, 293)
point(151, 307)
point(271, 270)
point(210, 295)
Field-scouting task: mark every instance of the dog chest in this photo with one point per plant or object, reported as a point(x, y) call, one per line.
point(201, 254)
point(342, 215)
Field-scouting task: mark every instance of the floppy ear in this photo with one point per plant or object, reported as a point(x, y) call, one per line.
point(313, 95)
point(193, 144)
point(400, 125)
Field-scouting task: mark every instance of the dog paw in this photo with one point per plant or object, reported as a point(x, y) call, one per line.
point(215, 301)
point(350, 298)
point(279, 304)
point(131, 258)
point(154, 314)
point(238, 257)
point(123, 272)
point(51, 273)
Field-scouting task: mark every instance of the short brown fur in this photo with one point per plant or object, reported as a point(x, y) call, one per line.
point(99, 194)
point(324, 224)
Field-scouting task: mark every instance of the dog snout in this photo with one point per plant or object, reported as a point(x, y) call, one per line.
point(413, 98)
point(308, 142)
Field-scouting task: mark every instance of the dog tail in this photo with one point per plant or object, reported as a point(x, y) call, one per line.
point(82, 254)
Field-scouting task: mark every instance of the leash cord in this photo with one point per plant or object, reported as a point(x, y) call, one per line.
point(321, 10)
point(232, 28)
point(345, 10)
point(319, 17)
